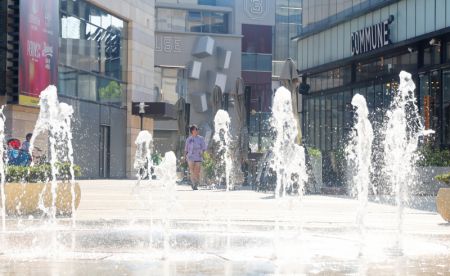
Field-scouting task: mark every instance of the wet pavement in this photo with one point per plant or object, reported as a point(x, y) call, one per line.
point(124, 230)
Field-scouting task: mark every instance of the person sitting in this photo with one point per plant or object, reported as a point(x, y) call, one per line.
point(26, 143)
point(17, 156)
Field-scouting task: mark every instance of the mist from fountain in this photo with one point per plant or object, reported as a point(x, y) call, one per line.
point(222, 136)
point(2, 168)
point(166, 173)
point(359, 156)
point(55, 119)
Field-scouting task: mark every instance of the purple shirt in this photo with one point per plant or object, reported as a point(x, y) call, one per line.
point(194, 147)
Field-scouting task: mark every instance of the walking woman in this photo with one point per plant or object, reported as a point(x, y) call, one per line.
point(194, 148)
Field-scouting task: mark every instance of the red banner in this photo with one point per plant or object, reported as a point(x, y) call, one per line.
point(39, 48)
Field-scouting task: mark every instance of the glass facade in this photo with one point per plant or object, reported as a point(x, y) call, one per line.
point(178, 20)
point(330, 79)
point(327, 106)
point(325, 12)
point(256, 62)
point(288, 24)
point(199, 2)
point(171, 83)
point(93, 53)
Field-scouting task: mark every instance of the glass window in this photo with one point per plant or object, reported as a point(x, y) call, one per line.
point(264, 63)
point(340, 115)
point(92, 41)
point(370, 97)
point(447, 48)
point(207, 2)
point(219, 23)
point(248, 62)
point(446, 106)
point(87, 87)
point(169, 91)
point(95, 16)
point(194, 21)
point(178, 23)
point(348, 111)
point(322, 123)
point(110, 91)
point(310, 122)
point(207, 22)
point(334, 121)
point(436, 103)
point(328, 122)
point(163, 19)
point(317, 126)
point(67, 81)
point(431, 55)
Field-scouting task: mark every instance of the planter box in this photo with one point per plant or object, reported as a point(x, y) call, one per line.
point(24, 199)
point(316, 173)
point(443, 203)
point(427, 184)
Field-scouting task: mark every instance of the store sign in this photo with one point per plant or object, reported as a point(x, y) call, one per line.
point(371, 38)
point(255, 9)
point(169, 44)
point(39, 48)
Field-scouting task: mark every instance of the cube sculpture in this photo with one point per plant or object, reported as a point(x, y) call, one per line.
point(204, 47)
point(223, 58)
point(194, 69)
point(200, 102)
point(217, 79)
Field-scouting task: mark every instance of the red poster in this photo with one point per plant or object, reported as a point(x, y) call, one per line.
point(39, 47)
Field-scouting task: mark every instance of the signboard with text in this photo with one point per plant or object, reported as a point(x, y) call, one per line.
point(371, 38)
point(39, 48)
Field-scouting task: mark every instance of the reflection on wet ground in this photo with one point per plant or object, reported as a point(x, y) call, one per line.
point(256, 235)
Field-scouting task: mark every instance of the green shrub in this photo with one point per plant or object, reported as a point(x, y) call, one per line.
point(156, 158)
point(434, 157)
point(314, 152)
point(111, 91)
point(444, 178)
point(209, 165)
point(40, 173)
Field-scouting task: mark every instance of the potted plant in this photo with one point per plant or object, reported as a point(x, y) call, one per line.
point(28, 189)
point(443, 197)
point(433, 162)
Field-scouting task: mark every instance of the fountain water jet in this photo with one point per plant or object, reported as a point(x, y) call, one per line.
point(288, 157)
point(222, 136)
point(143, 157)
point(359, 156)
point(403, 128)
point(55, 118)
point(288, 160)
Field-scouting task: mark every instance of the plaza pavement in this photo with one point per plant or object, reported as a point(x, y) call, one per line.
point(122, 200)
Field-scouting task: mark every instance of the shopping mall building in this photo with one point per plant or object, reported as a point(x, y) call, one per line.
point(100, 55)
point(203, 44)
point(349, 47)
